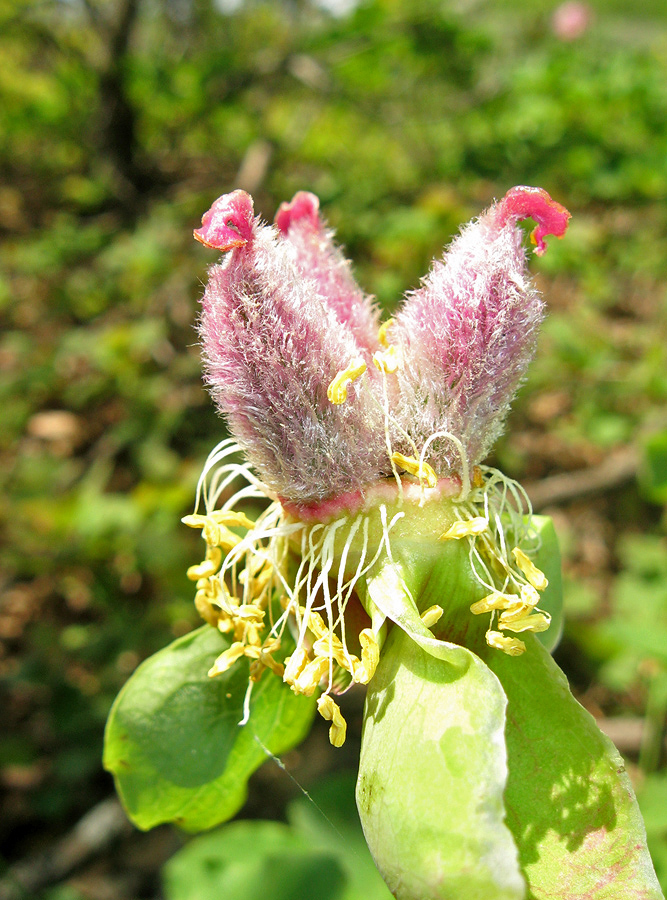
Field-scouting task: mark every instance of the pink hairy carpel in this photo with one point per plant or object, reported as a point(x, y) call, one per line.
point(468, 333)
point(317, 256)
point(272, 344)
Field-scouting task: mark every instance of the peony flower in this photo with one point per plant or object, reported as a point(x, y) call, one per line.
point(386, 554)
point(362, 434)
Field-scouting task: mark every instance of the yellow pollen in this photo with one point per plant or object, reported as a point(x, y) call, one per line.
point(477, 477)
point(411, 464)
point(387, 360)
point(382, 333)
point(464, 529)
point(337, 390)
point(511, 646)
point(432, 615)
point(537, 578)
point(331, 712)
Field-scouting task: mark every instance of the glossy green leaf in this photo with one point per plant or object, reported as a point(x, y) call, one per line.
point(570, 804)
point(431, 777)
point(173, 740)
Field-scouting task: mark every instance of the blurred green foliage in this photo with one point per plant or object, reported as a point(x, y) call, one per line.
point(120, 122)
point(321, 853)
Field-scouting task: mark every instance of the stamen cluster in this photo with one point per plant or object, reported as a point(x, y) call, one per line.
point(318, 568)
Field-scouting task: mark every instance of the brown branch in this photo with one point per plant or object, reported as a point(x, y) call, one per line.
point(619, 468)
point(92, 834)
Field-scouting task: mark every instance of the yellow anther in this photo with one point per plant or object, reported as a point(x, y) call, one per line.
point(209, 613)
point(533, 622)
point(270, 645)
point(331, 712)
point(364, 669)
point(227, 659)
point(337, 390)
point(210, 586)
point(204, 570)
point(536, 577)
point(226, 624)
point(529, 596)
point(464, 529)
point(316, 623)
point(232, 517)
point(382, 333)
point(267, 660)
point(477, 477)
point(194, 521)
point(330, 645)
point(262, 578)
point(214, 532)
point(387, 360)
point(432, 615)
point(294, 665)
point(208, 567)
point(248, 632)
point(310, 677)
point(511, 646)
point(250, 613)
point(226, 538)
point(496, 601)
point(518, 611)
point(411, 464)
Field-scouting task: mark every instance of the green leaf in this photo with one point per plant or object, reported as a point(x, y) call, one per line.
point(173, 740)
point(652, 796)
point(247, 860)
point(330, 820)
point(431, 777)
point(570, 804)
point(547, 559)
point(321, 854)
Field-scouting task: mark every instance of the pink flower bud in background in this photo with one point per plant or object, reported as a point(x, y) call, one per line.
point(272, 346)
point(467, 335)
point(571, 20)
point(316, 256)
